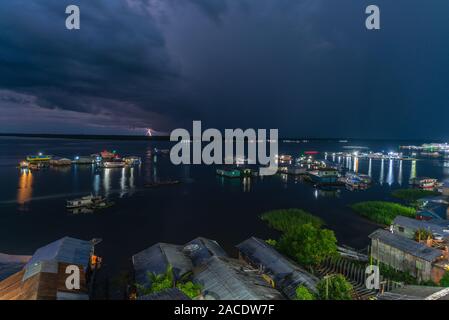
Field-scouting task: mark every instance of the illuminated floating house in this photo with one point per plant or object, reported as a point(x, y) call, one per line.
point(38, 158)
point(324, 176)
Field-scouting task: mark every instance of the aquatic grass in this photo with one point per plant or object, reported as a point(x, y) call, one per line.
point(285, 220)
point(383, 212)
point(411, 195)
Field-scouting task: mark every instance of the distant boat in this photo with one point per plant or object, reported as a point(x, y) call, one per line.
point(84, 160)
point(24, 164)
point(132, 160)
point(88, 202)
point(113, 164)
point(60, 162)
point(424, 183)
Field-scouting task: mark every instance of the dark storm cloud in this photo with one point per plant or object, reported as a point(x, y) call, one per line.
point(118, 55)
point(307, 67)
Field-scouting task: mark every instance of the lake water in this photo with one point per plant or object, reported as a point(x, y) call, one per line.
point(32, 206)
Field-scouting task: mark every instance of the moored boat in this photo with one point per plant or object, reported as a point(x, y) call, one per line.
point(113, 164)
point(92, 202)
point(132, 160)
point(424, 183)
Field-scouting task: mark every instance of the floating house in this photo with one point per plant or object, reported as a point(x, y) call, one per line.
point(403, 254)
point(279, 271)
point(292, 169)
point(38, 158)
point(324, 176)
point(44, 276)
point(84, 160)
point(229, 173)
point(60, 162)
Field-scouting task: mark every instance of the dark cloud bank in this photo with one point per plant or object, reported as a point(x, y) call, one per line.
point(307, 67)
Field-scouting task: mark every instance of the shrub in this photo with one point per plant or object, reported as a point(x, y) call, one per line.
point(286, 219)
point(335, 287)
point(308, 245)
point(302, 293)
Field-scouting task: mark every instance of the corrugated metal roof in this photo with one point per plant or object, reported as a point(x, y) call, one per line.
point(286, 274)
point(228, 279)
point(201, 249)
point(8, 269)
point(169, 294)
point(420, 224)
point(157, 258)
point(61, 295)
point(413, 292)
point(406, 245)
point(67, 250)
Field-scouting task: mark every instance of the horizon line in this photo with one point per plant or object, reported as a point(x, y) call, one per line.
point(81, 136)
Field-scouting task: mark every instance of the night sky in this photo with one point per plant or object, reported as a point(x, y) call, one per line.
point(307, 67)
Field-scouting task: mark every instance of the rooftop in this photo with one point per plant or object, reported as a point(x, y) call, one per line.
point(406, 245)
point(67, 250)
point(284, 271)
point(223, 278)
point(169, 294)
point(420, 224)
point(411, 292)
point(157, 258)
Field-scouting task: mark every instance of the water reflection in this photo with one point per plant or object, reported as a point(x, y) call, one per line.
point(123, 188)
point(400, 173)
point(246, 184)
point(96, 184)
point(390, 176)
point(356, 164)
point(25, 190)
point(381, 177)
point(413, 170)
point(107, 181)
point(370, 167)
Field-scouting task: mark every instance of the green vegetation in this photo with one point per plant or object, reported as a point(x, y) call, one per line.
point(423, 234)
point(308, 245)
point(285, 219)
point(272, 242)
point(302, 293)
point(383, 212)
point(444, 282)
point(190, 289)
point(302, 237)
point(411, 195)
point(161, 282)
point(335, 287)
